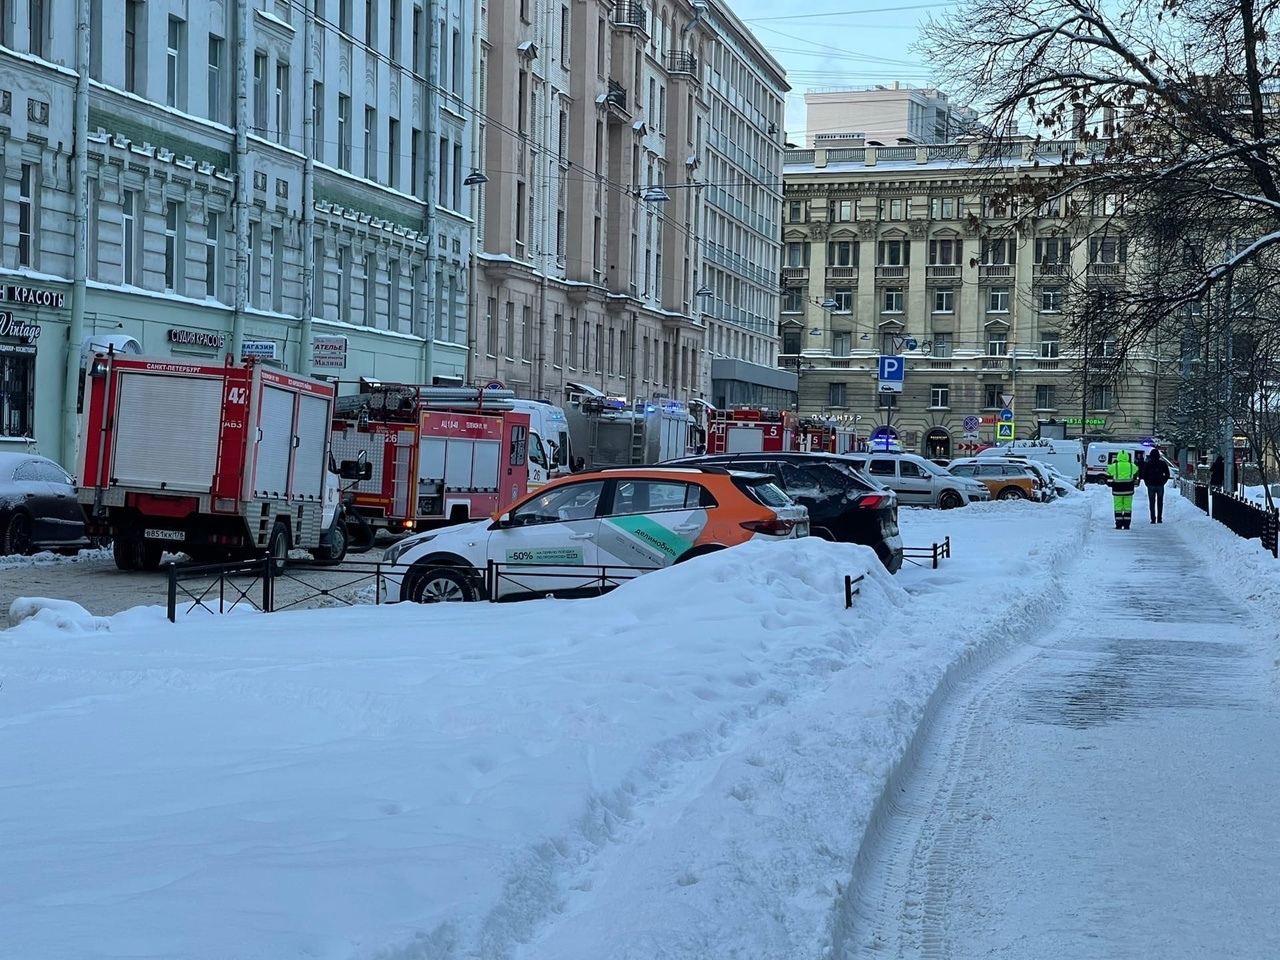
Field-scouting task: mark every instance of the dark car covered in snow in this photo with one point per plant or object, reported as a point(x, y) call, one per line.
point(38, 507)
point(845, 505)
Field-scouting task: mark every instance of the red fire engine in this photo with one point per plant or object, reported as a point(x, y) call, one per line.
point(439, 455)
point(746, 431)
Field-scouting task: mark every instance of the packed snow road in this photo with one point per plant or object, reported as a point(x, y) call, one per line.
point(1108, 790)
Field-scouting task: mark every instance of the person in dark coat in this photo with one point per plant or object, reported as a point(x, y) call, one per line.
point(1217, 472)
point(1155, 474)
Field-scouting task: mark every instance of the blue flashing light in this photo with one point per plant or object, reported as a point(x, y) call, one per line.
point(650, 408)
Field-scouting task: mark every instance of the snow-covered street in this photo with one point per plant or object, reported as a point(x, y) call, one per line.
point(1105, 790)
point(683, 769)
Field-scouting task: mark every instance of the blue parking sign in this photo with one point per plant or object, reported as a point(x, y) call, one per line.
point(892, 369)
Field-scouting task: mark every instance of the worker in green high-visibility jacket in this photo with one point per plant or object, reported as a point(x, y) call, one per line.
point(1122, 477)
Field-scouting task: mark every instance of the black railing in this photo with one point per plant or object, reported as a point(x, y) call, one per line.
point(852, 588)
point(631, 15)
point(1197, 493)
point(220, 587)
point(590, 577)
point(679, 62)
point(1244, 518)
point(617, 95)
point(934, 553)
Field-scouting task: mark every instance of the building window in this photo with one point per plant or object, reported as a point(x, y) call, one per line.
point(346, 17)
point(1107, 250)
point(526, 332)
point(894, 209)
point(842, 253)
point(843, 296)
point(557, 340)
point(944, 300)
point(998, 252)
point(317, 278)
point(277, 269)
point(37, 27)
point(942, 208)
point(344, 132)
point(371, 23)
point(887, 400)
point(942, 345)
point(282, 102)
point(1053, 250)
point(998, 300)
point(1045, 399)
point(573, 347)
point(945, 253)
point(509, 332)
point(135, 45)
point(1049, 345)
point(393, 35)
point(217, 69)
point(1102, 396)
point(317, 120)
point(797, 211)
point(212, 261)
point(491, 328)
point(791, 337)
point(95, 39)
point(173, 248)
point(1107, 347)
point(992, 398)
point(891, 342)
point(261, 122)
point(797, 255)
point(939, 395)
point(344, 284)
point(837, 394)
point(793, 300)
point(997, 342)
point(893, 253)
point(370, 296)
point(393, 153)
point(175, 76)
point(255, 264)
point(415, 162)
point(1051, 299)
point(893, 299)
point(370, 143)
point(416, 40)
point(841, 344)
point(519, 225)
point(27, 215)
point(459, 64)
point(842, 211)
point(130, 247)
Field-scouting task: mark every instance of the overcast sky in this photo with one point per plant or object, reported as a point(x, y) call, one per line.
point(838, 43)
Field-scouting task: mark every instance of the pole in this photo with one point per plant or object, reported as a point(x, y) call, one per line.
point(1228, 387)
point(244, 174)
point(80, 258)
point(305, 349)
point(433, 173)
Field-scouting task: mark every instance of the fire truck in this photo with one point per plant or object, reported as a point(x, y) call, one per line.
point(437, 455)
point(610, 432)
point(756, 429)
point(218, 462)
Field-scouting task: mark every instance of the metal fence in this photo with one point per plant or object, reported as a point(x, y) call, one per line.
point(220, 587)
point(1242, 517)
point(588, 578)
point(933, 553)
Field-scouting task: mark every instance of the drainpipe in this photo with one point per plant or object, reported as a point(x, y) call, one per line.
point(80, 257)
point(305, 349)
point(472, 340)
point(244, 175)
point(433, 172)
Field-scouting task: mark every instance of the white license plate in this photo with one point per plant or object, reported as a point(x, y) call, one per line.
point(164, 534)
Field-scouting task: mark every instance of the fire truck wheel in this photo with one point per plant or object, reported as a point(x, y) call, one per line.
point(278, 547)
point(122, 552)
point(699, 552)
point(336, 552)
point(443, 585)
point(949, 500)
point(149, 555)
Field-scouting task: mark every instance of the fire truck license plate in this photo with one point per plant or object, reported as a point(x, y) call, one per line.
point(164, 534)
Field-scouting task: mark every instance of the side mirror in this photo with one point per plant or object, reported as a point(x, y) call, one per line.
point(355, 470)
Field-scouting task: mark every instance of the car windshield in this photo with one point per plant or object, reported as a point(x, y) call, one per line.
point(930, 467)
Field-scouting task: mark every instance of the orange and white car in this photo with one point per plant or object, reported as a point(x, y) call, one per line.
point(559, 538)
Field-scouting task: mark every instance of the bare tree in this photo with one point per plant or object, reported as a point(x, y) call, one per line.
point(1168, 112)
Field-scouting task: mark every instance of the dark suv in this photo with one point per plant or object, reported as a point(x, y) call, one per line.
point(844, 504)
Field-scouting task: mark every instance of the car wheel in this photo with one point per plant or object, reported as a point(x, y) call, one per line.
point(278, 548)
point(443, 585)
point(17, 536)
point(1013, 493)
point(950, 500)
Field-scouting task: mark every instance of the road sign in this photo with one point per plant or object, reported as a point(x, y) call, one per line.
point(1007, 398)
point(971, 424)
point(971, 435)
point(494, 385)
point(1006, 415)
point(892, 371)
point(1005, 430)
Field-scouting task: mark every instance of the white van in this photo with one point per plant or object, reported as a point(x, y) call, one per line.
point(1102, 455)
point(548, 424)
point(1065, 456)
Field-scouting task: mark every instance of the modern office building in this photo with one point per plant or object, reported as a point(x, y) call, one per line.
point(629, 218)
point(911, 251)
point(885, 115)
point(201, 180)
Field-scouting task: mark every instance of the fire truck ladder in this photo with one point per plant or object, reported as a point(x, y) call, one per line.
point(637, 440)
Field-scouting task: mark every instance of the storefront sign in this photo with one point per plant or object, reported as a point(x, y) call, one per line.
point(197, 338)
point(1075, 421)
point(329, 351)
point(11, 326)
point(31, 297)
point(258, 350)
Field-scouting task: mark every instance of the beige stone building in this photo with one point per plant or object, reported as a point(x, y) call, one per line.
point(881, 257)
point(887, 114)
point(609, 257)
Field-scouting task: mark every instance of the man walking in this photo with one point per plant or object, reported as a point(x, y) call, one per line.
point(1155, 474)
point(1122, 477)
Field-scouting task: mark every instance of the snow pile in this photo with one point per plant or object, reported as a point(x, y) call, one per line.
point(683, 768)
point(47, 558)
point(63, 615)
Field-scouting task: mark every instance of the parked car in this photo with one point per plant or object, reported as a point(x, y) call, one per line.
point(1005, 479)
point(845, 505)
point(1067, 456)
point(555, 539)
point(918, 482)
point(1042, 471)
point(38, 507)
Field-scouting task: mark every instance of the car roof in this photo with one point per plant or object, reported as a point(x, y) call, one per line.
point(10, 459)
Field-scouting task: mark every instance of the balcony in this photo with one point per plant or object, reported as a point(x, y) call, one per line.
point(1052, 270)
point(891, 273)
point(1106, 270)
point(944, 272)
point(935, 364)
point(842, 273)
point(682, 63)
point(615, 101)
point(794, 273)
point(995, 271)
point(633, 16)
point(995, 363)
point(1048, 364)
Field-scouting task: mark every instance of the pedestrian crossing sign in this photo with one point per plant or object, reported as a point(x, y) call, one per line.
point(1005, 430)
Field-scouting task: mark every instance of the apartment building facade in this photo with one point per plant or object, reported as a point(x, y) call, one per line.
point(910, 251)
point(591, 273)
point(889, 115)
point(265, 178)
